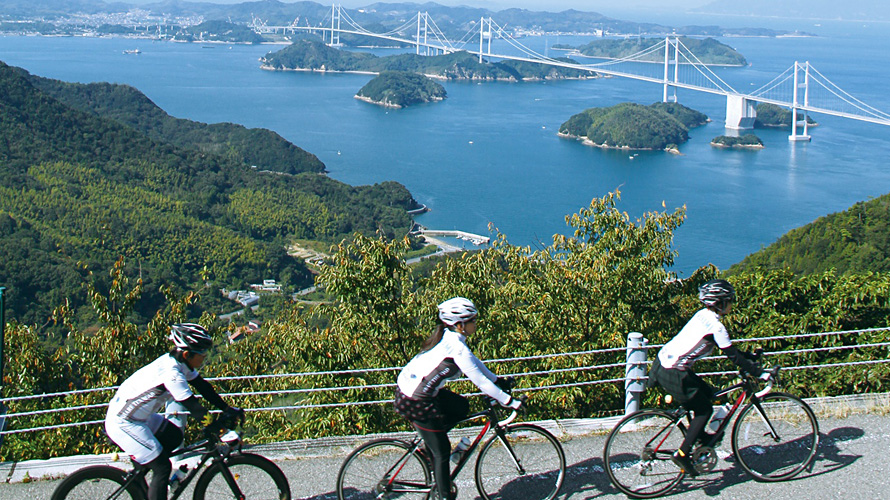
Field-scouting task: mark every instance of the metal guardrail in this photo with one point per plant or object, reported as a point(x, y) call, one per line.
point(635, 367)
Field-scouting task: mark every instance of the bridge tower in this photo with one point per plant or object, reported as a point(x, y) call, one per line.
point(335, 25)
point(667, 65)
point(483, 34)
point(422, 29)
point(796, 104)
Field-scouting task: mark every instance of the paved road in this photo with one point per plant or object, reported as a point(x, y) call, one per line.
point(851, 464)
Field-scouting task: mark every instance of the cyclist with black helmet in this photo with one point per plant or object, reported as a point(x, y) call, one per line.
point(420, 396)
point(133, 421)
point(672, 368)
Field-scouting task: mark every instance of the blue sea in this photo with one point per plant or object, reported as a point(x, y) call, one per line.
point(489, 153)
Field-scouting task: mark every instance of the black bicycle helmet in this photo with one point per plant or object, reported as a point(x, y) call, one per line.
point(716, 293)
point(191, 337)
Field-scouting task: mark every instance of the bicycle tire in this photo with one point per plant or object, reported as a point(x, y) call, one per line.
point(538, 475)
point(637, 454)
point(257, 477)
point(97, 482)
point(367, 473)
point(768, 459)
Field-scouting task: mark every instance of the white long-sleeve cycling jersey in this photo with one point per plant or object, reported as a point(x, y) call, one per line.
point(151, 387)
point(427, 372)
point(697, 339)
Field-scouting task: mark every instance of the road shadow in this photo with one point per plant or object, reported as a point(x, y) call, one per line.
point(587, 477)
point(829, 458)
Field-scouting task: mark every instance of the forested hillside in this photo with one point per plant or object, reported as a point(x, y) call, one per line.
point(401, 88)
point(634, 126)
point(856, 240)
point(255, 147)
point(708, 50)
point(312, 54)
point(78, 191)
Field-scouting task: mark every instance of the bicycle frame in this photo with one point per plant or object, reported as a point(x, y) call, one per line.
point(212, 453)
point(492, 422)
point(747, 387)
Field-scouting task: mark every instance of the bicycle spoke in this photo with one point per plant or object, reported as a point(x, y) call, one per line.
point(252, 476)
point(382, 469)
point(778, 440)
point(527, 463)
point(637, 454)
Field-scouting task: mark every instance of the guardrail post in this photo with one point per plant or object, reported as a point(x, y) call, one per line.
point(634, 372)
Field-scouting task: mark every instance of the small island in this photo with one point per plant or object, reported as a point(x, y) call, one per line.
point(747, 141)
point(397, 89)
point(773, 116)
point(634, 126)
point(708, 50)
point(309, 54)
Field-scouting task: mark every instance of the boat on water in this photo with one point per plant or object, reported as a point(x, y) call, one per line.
point(132, 51)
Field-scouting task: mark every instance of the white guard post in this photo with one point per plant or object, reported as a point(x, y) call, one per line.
point(635, 372)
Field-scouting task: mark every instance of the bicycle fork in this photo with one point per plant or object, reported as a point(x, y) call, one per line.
point(769, 425)
point(502, 436)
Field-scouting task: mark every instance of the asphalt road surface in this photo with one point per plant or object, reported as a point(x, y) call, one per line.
point(851, 463)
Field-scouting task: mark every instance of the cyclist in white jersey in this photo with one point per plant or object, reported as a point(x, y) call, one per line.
point(421, 398)
point(133, 421)
point(672, 368)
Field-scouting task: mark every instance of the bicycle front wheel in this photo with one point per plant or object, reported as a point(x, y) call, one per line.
point(777, 438)
point(526, 463)
point(384, 468)
point(98, 482)
point(637, 455)
point(254, 476)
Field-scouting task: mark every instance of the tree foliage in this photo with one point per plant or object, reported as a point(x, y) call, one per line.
point(856, 240)
point(401, 88)
point(708, 50)
point(78, 190)
point(584, 292)
point(310, 54)
point(634, 126)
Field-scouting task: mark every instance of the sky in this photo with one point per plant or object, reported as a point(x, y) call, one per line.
point(540, 5)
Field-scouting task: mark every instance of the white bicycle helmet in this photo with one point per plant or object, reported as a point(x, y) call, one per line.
point(191, 337)
point(456, 310)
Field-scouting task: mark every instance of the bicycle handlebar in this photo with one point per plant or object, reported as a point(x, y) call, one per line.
point(773, 379)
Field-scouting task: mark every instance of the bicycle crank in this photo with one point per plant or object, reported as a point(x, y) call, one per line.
point(704, 458)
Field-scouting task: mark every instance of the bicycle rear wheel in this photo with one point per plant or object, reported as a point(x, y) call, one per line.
point(257, 477)
point(383, 468)
point(779, 442)
point(96, 483)
point(534, 470)
point(637, 455)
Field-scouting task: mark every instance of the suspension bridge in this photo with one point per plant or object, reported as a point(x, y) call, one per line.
point(669, 63)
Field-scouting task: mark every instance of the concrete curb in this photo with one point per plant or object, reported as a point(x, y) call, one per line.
point(14, 472)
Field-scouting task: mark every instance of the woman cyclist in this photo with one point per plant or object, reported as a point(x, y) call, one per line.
point(672, 368)
point(420, 397)
point(133, 421)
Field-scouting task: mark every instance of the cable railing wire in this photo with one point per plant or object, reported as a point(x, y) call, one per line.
point(518, 374)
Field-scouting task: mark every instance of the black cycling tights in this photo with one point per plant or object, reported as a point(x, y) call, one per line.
point(170, 437)
point(702, 410)
point(453, 408)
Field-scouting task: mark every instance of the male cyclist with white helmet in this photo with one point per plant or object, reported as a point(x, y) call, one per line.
point(672, 368)
point(432, 409)
point(133, 421)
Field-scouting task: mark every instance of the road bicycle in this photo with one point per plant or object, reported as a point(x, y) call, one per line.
point(774, 438)
point(519, 461)
point(229, 473)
